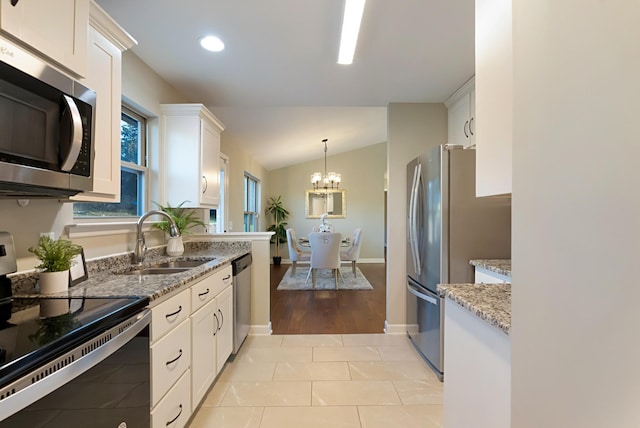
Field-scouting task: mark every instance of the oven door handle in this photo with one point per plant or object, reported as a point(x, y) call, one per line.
point(49, 383)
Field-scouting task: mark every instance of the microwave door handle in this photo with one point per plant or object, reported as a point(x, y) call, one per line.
point(75, 138)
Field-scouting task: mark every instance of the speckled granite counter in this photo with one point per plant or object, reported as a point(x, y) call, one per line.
point(490, 302)
point(501, 266)
point(105, 279)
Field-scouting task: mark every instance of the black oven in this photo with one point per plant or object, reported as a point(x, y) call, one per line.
point(75, 362)
point(46, 128)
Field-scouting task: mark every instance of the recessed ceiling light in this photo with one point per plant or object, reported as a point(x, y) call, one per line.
point(212, 43)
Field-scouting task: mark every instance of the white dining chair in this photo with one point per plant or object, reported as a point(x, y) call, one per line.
point(325, 254)
point(295, 253)
point(353, 253)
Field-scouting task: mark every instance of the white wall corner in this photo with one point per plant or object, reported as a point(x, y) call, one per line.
point(260, 330)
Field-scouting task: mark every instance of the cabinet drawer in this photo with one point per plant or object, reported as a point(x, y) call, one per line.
point(223, 279)
point(170, 357)
point(169, 314)
point(175, 407)
point(202, 292)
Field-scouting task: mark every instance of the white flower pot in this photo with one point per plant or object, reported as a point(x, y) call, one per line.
point(53, 307)
point(54, 282)
point(175, 246)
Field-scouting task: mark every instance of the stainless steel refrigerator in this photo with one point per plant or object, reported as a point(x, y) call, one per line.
point(447, 226)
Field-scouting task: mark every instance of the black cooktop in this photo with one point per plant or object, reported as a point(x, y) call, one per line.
point(34, 331)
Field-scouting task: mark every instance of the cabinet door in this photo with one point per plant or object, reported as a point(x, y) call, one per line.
point(175, 408)
point(458, 117)
point(225, 330)
point(57, 29)
point(203, 350)
point(494, 97)
point(210, 164)
point(104, 77)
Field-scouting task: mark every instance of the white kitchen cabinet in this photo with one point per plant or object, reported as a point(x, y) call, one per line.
point(55, 29)
point(211, 330)
point(203, 351)
point(170, 358)
point(494, 97)
point(485, 276)
point(477, 361)
point(461, 115)
point(191, 142)
point(224, 336)
point(175, 408)
point(107, 41)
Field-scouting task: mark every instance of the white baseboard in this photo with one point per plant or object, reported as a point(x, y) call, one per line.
point(395, 328)
point(260, 330)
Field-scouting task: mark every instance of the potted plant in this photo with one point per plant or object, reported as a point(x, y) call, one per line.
point(185, 219)
point(55, 261)
point(279, 214)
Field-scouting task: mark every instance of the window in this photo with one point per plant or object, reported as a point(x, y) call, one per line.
point(251, 203)
point(133, 172)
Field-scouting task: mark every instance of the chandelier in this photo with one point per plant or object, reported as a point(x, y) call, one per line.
point(328, 181)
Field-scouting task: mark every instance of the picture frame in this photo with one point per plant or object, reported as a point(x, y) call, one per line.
point(78, 271)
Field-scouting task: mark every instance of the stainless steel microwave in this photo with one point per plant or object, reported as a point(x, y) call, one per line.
point(46, 128)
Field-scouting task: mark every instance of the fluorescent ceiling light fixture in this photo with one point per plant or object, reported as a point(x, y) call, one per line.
point(350, 27)
point(212, 43)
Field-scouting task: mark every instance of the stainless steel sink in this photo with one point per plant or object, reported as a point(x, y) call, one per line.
point(155, 271)
point(166, 268)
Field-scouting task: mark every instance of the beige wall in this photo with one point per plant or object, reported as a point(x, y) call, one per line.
point(412, 129)
point(576, 215)
point(363, 179)
point(239, 162)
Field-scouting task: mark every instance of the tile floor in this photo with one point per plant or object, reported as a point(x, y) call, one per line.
point(345, 381)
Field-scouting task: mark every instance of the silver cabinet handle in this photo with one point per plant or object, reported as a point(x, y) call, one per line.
point(176, 418)
point(175, 359)
point(75, 137)
point(206, 184)
point(174, 313)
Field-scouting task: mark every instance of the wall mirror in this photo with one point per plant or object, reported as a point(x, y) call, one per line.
point(332, 202)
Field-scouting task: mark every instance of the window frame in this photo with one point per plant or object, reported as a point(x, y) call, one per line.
point(254, 215)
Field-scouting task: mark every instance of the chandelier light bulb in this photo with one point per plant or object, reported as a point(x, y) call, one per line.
point(325, 181)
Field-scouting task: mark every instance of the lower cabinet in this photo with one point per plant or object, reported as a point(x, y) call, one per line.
point(485, 276)
point(211, 333)
point(191, 339)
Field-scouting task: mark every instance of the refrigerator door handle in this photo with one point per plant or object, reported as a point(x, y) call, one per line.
point(414, 243)
point(411, 217)
point(413, 290)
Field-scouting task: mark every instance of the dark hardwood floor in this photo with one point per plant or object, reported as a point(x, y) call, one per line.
point(329, 311)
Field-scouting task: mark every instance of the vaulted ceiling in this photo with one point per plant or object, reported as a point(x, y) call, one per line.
point(277, 86)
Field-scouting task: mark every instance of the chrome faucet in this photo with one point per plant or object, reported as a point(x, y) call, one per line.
point(141, 246)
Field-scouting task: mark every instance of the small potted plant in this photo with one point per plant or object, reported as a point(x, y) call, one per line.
point(279, 214)
point(185, 219)
point(55, 261)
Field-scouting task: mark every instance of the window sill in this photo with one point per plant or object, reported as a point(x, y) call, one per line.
point(88, 229)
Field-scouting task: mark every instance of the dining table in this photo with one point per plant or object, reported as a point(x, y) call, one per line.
point(304, 242)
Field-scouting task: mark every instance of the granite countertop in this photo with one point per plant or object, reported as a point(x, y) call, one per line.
point(501, 266)
point(490, 302)
point(105, 278)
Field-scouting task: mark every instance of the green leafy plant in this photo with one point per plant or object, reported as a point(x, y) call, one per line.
point(51, 328)
point(184, 218)
point(279, 213)
point(54, 255)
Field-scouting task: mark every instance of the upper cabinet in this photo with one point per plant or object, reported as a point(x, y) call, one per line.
point(191, 141)
point(56, 29)
point(106, 42)
point(461, 115)
point(494, 97)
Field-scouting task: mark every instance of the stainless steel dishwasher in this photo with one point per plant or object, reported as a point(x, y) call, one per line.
point(241, 299)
